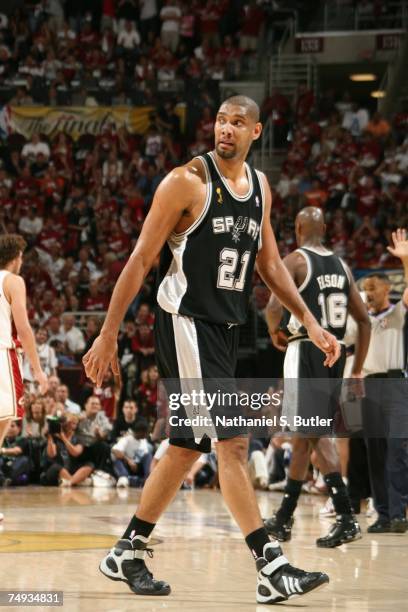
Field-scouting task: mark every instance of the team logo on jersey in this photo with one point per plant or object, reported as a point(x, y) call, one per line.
point(226, 225)
point(219, 195)
point(257, 201)
point(240, 226)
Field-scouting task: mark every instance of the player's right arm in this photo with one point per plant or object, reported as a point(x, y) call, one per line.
point(175, 197)
point(15, 291)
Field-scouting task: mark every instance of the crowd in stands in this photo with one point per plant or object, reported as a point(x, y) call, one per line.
point(350, 163)
point(58, 444)
point(123, 51)
point(81, 205)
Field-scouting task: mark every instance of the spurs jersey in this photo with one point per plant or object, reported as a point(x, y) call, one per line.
point(325, 291)
point(206, 271)
point(6, 335)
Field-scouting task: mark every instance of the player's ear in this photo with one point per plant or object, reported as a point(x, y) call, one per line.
point(257, 131)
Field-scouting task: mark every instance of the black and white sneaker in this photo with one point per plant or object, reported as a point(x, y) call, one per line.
point(279, 581)
point(345, 529)
point(126, 562)
point(278, 529)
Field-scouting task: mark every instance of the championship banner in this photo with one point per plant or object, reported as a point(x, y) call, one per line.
point(75, 120)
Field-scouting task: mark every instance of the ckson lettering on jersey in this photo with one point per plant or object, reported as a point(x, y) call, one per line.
point(327, 281)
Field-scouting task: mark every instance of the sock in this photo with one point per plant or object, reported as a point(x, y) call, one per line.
point(256, 542)
point(290, 499)
point(338, 493)
point(138, 527)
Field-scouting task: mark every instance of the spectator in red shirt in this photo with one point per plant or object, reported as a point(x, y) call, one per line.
point(400, 124)
point(188, 26)
point(304, 102)
point(147, 393)
point(88, 38)
point(339, 234)
point(143, 345)
point(252, 23)
point(108, 396)
point(365, 238)
point(277, 106)
point(118, 242)
point(24, 183)
point(206, 125)
point(144, 316)
point(230, 56)
point(351, 255)
point(210, 15)
point(370, 151)
point(381, 258)
point(199, 146)
point(94, 300)
point(367, 197)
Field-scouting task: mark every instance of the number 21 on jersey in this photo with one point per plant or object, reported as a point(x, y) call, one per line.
point(228, 275)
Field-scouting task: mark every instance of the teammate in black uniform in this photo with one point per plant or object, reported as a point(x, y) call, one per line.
point(214, 215)
point(327, 287)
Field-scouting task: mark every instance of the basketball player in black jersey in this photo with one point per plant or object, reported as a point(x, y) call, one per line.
point(212, 216)
point(327, 287)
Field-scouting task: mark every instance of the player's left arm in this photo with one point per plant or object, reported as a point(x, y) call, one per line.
point(400, 250)
point(277, 277)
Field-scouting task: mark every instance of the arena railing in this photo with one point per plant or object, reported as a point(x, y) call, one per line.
point(338, 16)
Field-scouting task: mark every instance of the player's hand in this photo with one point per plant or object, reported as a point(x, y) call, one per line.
point(42, 381)
point(279, 340)
point(400, 248)
point(355, 386)
point(326, 342)
point(102, 354)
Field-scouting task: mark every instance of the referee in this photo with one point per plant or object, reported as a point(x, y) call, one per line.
point(385, 407)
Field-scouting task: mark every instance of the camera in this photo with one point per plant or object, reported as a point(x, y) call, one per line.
point(54, 424)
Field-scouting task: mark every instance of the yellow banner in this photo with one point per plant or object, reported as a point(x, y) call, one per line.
point(76, 120)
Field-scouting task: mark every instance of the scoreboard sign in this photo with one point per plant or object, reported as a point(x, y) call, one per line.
point(309, 44)
point(388, 42)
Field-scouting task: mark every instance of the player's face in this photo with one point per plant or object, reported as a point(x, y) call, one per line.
point(234, 131)
point(377, 294)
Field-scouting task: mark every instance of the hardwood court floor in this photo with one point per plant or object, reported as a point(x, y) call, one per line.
point(53, 539)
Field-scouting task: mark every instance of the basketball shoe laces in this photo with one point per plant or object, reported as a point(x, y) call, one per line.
point(137, 568)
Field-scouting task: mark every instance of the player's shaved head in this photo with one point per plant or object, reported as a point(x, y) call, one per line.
point(249, 106)
point(310, 225)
